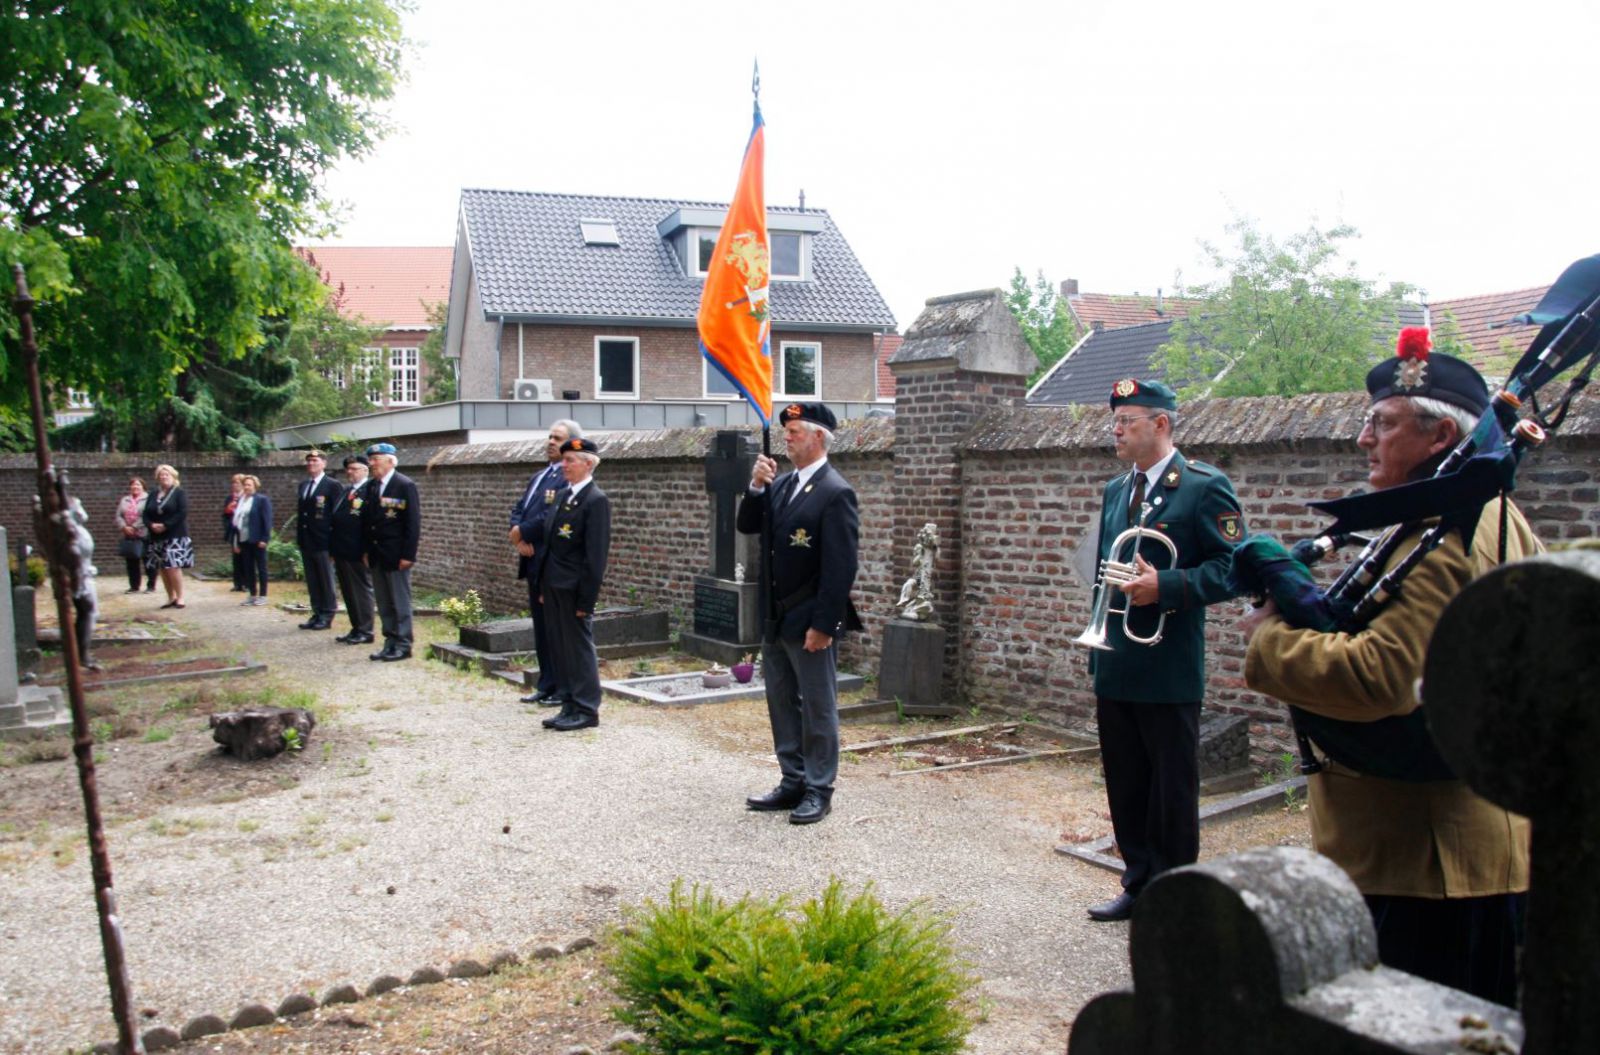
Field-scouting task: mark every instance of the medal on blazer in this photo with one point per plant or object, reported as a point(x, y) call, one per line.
point(800, 538)
point(565, 531)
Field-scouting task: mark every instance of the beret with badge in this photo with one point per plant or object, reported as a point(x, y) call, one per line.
point(816, 413)
point(581, 445)
point(381, 448)
point(1416, 371)
point(1131, 392)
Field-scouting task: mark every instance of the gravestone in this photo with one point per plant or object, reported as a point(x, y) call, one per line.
point(26, 711)
point(614, 627)
point(727, 611)
point(911, 664)
point(1273, 949)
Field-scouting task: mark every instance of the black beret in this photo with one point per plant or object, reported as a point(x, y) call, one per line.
point(582, 446)
point(352, 459)
point(816, 413)
point(1414, 371)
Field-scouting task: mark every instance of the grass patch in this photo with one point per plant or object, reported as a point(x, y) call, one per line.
point(157, 734)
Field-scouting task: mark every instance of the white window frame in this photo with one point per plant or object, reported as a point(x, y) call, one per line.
point(369, 363)
point(778, 371)
point(405, 376)
point(805, 253)
point(598, 394)
point(707, 372)
point(712, 232)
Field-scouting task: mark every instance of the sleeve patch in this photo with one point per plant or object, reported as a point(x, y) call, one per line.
point(1231, 527)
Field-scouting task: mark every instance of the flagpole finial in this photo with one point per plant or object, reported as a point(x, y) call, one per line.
point(755, 81)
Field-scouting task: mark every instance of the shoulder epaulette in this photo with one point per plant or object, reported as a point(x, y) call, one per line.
point(1203, 469)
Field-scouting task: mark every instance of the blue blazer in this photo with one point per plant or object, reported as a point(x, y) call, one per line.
point(815, 538)
point(259, 524)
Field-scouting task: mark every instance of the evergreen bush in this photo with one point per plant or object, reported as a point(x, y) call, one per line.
point(842, 976)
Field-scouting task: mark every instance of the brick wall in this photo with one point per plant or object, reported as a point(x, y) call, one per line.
point(1024, 487)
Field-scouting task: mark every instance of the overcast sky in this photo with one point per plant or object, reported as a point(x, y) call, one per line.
point(1094, 140)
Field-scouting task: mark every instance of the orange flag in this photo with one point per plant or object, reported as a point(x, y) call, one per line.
point(735, 319)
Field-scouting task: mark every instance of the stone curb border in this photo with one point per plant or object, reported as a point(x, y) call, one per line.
point(160, 1038)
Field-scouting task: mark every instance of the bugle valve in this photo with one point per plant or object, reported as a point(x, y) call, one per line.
point(1115, 574)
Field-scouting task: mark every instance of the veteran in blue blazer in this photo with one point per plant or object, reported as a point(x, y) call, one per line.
point(805, 594)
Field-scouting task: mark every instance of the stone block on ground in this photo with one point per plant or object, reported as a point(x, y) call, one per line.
point(259, 731)
point(296, 1004)
point(251, 1015)
point(341, 994)
point(203, 1026)
point(382, 984)
point(160, 1038)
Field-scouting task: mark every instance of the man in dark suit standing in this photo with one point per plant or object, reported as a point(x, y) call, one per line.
point(348, 547)
point(527, 531)
point(815, 533)
point(313, 529)
point(391, 518)
point(1147, 697)
point(571, 565)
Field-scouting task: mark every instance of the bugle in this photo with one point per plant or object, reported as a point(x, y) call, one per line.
point(1115, 574)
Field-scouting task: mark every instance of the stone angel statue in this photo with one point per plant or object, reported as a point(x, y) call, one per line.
point(916, 596)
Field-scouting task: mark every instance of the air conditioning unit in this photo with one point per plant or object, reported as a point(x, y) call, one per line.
point(532, 388)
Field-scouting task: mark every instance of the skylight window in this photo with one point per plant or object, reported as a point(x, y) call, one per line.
point(598, 231)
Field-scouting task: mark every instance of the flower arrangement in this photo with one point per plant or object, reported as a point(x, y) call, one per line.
point(466, 610)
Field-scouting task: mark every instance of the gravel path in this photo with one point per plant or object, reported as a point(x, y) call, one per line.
point(425, 767)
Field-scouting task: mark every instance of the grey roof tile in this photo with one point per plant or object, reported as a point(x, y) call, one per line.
point(530, 259)
point(1086, 376)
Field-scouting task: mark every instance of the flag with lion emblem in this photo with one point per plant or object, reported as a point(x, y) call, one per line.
point(734, 320)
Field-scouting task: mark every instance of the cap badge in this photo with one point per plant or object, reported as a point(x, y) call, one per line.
point(1125, 388)
point(800, 538)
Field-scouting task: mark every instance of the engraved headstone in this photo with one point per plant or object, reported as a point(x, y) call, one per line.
point(727, 609)
point(27, 623)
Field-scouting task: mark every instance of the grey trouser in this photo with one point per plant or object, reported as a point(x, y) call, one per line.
point(355, 584)
point(393, 592)
point(572, 642)
point(803, 711)
point(319, 582)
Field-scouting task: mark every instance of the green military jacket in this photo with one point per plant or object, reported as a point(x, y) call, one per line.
point(1193, 504)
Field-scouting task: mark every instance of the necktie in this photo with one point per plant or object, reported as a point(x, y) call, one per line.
point(784, 494)
point(1138, 500)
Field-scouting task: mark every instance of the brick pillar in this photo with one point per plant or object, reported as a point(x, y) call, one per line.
point(962, 357)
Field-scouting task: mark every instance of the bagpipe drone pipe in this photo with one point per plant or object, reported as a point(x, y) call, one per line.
point(1479, 469)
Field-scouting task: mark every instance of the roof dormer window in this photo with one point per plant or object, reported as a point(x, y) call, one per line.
point(788, 252)
point(598, 231)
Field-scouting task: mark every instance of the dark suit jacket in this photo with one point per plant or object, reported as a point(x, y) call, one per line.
point(530, 514)
point(815, 536)
point(175, 515)
point(1194, 505)
point(392, 524)
point(314, 524)
point(258, 525)
point(348, 540)
point(577, 541)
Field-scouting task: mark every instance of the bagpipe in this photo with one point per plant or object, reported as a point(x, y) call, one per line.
point(1479, 469)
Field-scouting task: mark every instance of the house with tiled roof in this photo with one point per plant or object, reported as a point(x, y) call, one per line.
point(1111, 311)
point(1104, 356)
point(1100, 359)
point(584, 297)
point(1481, 324)
point(391, 287)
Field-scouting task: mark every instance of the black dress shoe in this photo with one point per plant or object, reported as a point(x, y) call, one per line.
point(1119, 907)
point(543, 698)
point(384, 653)
point(311, 624)
point(779, 798)
point(396, 655)
point(812, 808)
point(578, 720)
point(568, 709)
point(355, 637)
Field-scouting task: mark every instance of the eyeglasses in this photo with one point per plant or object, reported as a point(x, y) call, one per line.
point(1123, 421)
point(1383, 424)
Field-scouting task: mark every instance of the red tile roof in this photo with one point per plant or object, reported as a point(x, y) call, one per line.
point(1117, 310)
point(385, 284)
point(1492, 350)
point(884, 345)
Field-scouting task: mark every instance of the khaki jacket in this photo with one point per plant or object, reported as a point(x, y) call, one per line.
point(1415, 839)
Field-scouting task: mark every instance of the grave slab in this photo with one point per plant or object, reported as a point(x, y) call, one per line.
point(684, 690)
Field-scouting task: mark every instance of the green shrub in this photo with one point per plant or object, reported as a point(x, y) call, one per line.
point(841, 975)
point(283, 561)
point(38, 571)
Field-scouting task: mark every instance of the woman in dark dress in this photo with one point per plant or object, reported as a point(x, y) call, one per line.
point(166, 514)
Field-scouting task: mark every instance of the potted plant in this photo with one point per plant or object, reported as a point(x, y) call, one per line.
point(744, 670)
point(715, 676)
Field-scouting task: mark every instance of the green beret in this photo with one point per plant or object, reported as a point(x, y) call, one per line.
point(1132, 392)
